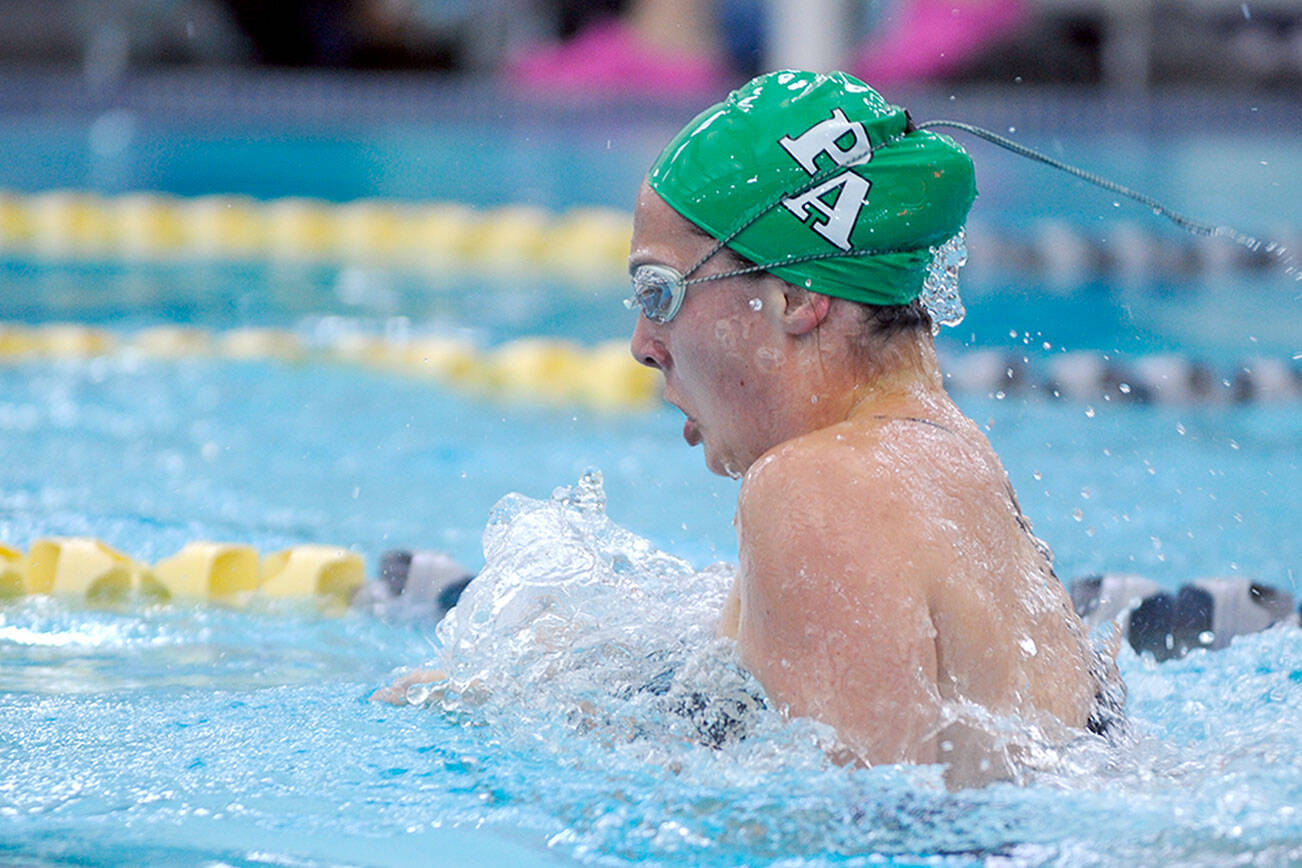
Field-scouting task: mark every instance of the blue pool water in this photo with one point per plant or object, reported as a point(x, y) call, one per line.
point(209, 736)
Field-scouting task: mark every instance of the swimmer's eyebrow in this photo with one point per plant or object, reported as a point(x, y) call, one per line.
point(637, 260)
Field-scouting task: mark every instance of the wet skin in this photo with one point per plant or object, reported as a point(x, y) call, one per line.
point(886, 586)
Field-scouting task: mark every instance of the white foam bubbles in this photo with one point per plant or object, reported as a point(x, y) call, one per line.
point(577, 626)
point(940, 296)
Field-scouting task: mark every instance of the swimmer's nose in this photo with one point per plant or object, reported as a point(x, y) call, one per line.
point(646, 347)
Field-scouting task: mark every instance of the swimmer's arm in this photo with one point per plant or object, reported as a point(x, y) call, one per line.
point(396, 693)
point(832, 620)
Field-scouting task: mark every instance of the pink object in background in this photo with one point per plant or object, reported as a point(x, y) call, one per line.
point(609, 58)
point(930, 38)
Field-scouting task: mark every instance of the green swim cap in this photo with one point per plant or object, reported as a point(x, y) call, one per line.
point(819, 173)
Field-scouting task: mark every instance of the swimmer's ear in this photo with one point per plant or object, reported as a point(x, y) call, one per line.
point(804, 310)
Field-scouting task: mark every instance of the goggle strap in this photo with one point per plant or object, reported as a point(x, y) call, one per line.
point(797, 260)
point(1187, 223)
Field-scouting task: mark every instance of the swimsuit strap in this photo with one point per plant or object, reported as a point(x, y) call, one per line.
point(1022, 521)
point(915, 419)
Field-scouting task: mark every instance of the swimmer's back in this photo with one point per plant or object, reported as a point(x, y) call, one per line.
point(925, 502)
point(1007, 635)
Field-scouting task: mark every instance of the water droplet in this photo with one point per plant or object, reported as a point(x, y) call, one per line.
point(1028, 646)
point(756, 304)
point(1089, 412)
point(1078, 514)
point(1037, 475)
point(416, 694)
point(940, 296)
point(1124, 388)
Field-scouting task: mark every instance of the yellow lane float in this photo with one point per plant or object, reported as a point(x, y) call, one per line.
point(312, 571)
point(224, 227)
point(172, 342)
point(228, 573)
point(209, 569)
point(584, 243)
point(538, 370)
point(86, 568)
point(13, 581)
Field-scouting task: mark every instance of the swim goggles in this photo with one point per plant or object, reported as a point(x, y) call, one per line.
point(659, 289)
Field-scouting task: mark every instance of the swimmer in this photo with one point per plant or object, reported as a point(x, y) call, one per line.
point(888, 584)
point(792, 247)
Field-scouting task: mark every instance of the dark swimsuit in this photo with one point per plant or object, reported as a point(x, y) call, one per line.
point(718, 720)
point(1108, 716)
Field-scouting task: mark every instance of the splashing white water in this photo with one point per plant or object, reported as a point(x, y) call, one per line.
point(940, 296)
point(578, 623)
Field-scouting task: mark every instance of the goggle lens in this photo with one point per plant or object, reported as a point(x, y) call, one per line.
point(659, 290)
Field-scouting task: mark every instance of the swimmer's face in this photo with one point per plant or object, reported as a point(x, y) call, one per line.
point(721, 354)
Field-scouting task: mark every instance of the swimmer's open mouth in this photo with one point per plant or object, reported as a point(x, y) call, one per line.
point(691, 429)
point(691, 432)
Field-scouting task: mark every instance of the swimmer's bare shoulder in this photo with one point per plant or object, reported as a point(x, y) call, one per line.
point(833, 588)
